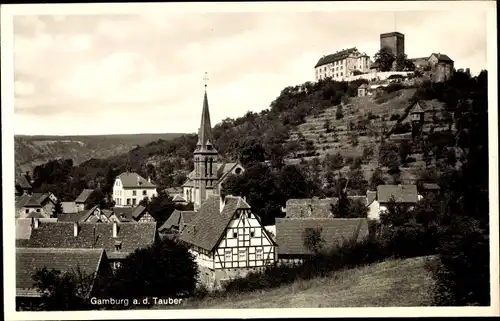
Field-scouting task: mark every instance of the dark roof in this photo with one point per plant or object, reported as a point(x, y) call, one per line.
point(223, 169)
point(37, 199)
point(174, 190)
point(370, 196)
point(430, 186)
point(172, 221)
point(401, 193)
point(29, 260)
point(310, 207)
point(72, 217)
point(129, 213)
point(335, 57)
point(84, 195)
point(21, 201)
point(94, 235)
point(134, 180)
point(178, 198)
point(442, 57)
point(208, 225)
point(23, 182)
point(290, 239)
point(417, 108)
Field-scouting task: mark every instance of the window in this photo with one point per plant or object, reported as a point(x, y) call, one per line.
point(133, 201)
point(38, 210)
point(252, 233)
point(144, 192)
point(134, 193)
point(228, 255)
point(27, 211)
point(235, 234)
point(258, 254)
point(242, 255)
point(128, 201)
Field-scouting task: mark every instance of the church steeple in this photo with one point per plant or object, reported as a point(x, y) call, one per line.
point(205, 131)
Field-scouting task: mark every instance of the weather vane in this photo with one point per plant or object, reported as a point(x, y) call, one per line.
point(205, 78)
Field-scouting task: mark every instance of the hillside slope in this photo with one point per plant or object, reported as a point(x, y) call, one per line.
point(387, 284)
point(31, 151)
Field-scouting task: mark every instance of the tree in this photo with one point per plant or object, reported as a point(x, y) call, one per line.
point(313, 240)
point(58, 209)
point(376, 179)
point(160, 207)
point(166, 268)
point(404, 64)
point(251, 151)
point(404, 151)
point(388, 156)
point(384, 58)
point(357, 182)
point(292, 183)
point(333, 162)
point(63, 291)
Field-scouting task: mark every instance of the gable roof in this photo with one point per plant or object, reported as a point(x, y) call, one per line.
point(94, 235)
point(441, 57)
point(370, 197)
point(173, 220)
point(401, 193)
point(335, 57)
point(29, 260)
point(178, 198)
point(209, 224)
point(363, 86)
point(36, 200)
point(21, 201)
point(25, 225)
point(69, 207)
point(23, 182)
point(134, 180)
point(290, 239)
point(129, 213)
point(84, 195)
point(310, 207)
point(223, 169)
point(72, 217)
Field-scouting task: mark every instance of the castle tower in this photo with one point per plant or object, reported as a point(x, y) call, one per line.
point(395, 41)
point(205, 159)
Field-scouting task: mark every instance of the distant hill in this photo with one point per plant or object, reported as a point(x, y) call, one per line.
point(31, 151)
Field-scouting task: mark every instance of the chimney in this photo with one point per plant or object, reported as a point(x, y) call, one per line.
point(35, 222)
point(149, 179)
point(75, 229)
point(115, 229)
point(222, 202)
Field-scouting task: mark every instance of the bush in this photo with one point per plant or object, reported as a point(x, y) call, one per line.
point(394, 117)
point(394, 87)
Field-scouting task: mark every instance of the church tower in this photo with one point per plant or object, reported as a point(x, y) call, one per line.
point(205, 159)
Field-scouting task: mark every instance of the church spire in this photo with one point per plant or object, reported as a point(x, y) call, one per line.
point(205, 131)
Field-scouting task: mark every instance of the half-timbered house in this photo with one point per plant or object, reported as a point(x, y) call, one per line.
point(228, 240)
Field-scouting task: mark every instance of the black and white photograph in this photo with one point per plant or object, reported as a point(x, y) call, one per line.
point(230, 159)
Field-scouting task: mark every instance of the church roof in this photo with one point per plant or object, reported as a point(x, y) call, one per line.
point(222, 170)
point(205, 131)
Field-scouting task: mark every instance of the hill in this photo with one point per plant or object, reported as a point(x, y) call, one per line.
point(401, 283)
point(31, 151)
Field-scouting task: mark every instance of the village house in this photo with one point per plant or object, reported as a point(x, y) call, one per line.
point(209, 170)
point(400, 194)
point(24, 226)
point(119, 240)
point(137, 214)
point(23, 186)
point(228, 240)
point(92, 263)
point(342, 64)
point(81, 200)
point(130, 189)
point(291, 234)
point(316, 207)
point(363, 90)
point(41, 204)
point(176, 221)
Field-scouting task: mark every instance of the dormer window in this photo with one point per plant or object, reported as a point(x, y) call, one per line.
point(118, 245)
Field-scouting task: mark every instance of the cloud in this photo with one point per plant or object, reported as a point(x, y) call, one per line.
point(108, 69)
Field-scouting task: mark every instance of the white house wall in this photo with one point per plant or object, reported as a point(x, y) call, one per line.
point(121, 194)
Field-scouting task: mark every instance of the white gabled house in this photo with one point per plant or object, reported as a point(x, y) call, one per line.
point(378, 201)
point(228, 240)
point(130, 189)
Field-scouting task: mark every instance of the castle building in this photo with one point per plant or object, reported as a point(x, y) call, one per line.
point(342, 64)
point(210, 171)
point(395, 41)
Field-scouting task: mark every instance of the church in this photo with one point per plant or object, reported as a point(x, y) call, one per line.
point(210, 170)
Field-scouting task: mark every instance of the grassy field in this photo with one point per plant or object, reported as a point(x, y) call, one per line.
point(393, 283)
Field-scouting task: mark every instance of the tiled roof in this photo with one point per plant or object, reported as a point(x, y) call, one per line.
point(173, 220)
point(417, 108)
point(84, 195)
point(134, 180)
point(223, 169)
point(310, 207)
point(174, 190)
point(29, 260)
point(401, 193)
point(36, 200)
point(69, 207)
point(290, 239)
point(72, 217)
point(24, 226)
point(21, 201)
point(22, 182)
point(186, 216)
point(343, 54)
point(93, 235)
point(442, 57)
point(207, 226)
point(129, 213)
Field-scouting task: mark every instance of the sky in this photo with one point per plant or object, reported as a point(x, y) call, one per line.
point(144, 72)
